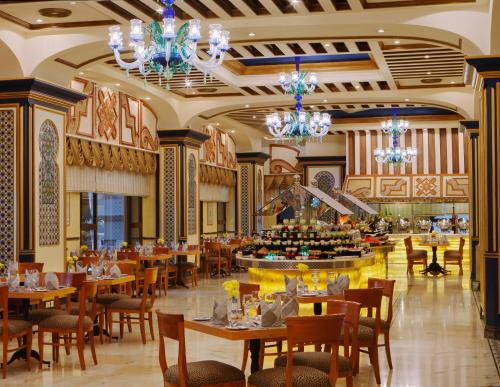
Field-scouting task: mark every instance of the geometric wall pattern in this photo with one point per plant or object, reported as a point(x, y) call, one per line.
point(326, 183)
point(169, 197)
point(192, 197)
point(7, 184)
point(245, 198)
point(260, 187)
point(48, 174)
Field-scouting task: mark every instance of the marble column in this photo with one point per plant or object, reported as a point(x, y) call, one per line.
point(179, 195)
point(250, 191)
point(486, 79)
point(472, 130)
point(32, 171)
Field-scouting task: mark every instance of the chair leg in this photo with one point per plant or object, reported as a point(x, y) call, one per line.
point(166, 283)
point(79, 345)
point(374, 358)
point(109, 318)
point(129, 324)
point(387, 349)
point(101, 328)
point(349, 381)
point(55, 348)
point(29, 345)
point(66, 344)
point(150, 320)
point(461, 272)
point(40, 348)
point(92, 347)
point(261, 354)
point(4, 360)
point(143, 328)
point(122, 323)
point(244, 361)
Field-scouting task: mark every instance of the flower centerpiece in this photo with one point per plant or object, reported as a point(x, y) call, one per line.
point(124, 244)
point(2, 269)
point(84, 249)
point(71, 261)
point(160, 242)
point(433, 234)
point(302, 268)
point(234, 311)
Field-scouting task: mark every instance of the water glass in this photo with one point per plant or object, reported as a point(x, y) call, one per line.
point(315, 279)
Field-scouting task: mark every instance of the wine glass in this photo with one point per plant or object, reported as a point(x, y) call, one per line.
point(248, 306)
point(315, 280)
point(332, 276)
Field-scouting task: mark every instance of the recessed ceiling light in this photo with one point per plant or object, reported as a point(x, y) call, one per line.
point(429, 72)
point(325, 101)
point(39, 20)
point(232, 131)
point(254, 117)
point(381, 31)
point(148, 98)
point(81, 73)
point(159, 10)
point(427, 56)
point(193, 92)
point(251, 34)
point(327, 45)
point(117, 84)
point(397, 42)
point(294, 2)
point(247, 105)
point(312, 106)
point(407, 99)
point(452, 82)
point(217, 123)
point(72, 2)
point(357, 86)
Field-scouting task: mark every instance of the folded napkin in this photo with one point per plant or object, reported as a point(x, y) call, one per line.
point(271, 313)
point(13, 282)
point(219, 316)
point(51, 281)
point(31, 279)
point(338, 285)
point(80, 268)
point(115, 271)
point(289, 308)
point(291, 286)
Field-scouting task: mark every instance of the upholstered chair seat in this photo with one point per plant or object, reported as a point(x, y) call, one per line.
point(108, 298)
point(35, 316)
point(15, 327)
point(65, 321)
point(370, 322)
point(202, 373)
point(75, 309)
point(301, 377)
point(130, 304)
point(318, 360)
point(416, 254)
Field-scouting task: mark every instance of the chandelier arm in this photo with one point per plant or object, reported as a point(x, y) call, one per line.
point(128, 65)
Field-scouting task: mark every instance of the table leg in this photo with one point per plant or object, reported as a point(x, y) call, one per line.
point(318, 308)
point(180, 272)
point(254, 355)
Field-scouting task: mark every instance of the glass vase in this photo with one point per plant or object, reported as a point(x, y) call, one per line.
point(234, 312)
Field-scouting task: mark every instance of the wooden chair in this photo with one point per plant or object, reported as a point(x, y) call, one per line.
point(213, 258)
point(385, 324)
point(348, 338)
point(413, 256)
point(301, 331)
point(13, 329)
point(65, 326)
point(368, 336)
point(23, 266)
point(192, 267)
point(455, 256)
point(246, 288)
point(201, 373)
point(131, 306)
point(90, 260)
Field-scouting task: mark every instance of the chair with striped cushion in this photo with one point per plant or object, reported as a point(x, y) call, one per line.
point(201, 373)
point(301, 331)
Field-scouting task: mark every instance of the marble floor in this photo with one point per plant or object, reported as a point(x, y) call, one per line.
point(436, 341)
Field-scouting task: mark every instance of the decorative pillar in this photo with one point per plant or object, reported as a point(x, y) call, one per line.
point(472, 129)
point(179, 194)
point(250, 191)
point(32, 177)
point(487, 84)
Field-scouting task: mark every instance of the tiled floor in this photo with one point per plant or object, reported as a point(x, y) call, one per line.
point(436, 341)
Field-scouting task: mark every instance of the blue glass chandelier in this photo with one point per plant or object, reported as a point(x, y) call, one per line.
point(394, 154)
point(298, 125)
point(168, 52)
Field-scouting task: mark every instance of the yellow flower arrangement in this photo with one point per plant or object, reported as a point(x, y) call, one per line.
point(434, 234)
point(2, 265)
point(160, 241)
point(302, 267)
point(232, 288)
point(84, 248)
point(71, 259)
point(124, 244)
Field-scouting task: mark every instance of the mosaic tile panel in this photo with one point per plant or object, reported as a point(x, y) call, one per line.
point(192, 195)
point(259, 199)
point(245, 198)
point(326, 183)
point(48, 185)
point(169, 199)
point(7, 185)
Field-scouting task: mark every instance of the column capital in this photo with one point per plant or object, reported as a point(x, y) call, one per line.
point(471, 127)
point(252, 157)
point(482, 70)
point(182, 137)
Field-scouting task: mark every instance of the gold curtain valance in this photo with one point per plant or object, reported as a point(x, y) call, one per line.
point(80, 152)
point(277, 182)
point(217, 176)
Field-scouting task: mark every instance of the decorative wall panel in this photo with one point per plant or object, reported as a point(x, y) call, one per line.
point(456, 186)
point(219, 150)
point(393, 187)
point(283, 159)
point(48, 171)
point(245, 199)
point(260, 187)
point(192, 195)
point(426, 186)
point(326, 183)
point(107, 114)
point(362, 187)
point(7, 184)
point(169, 194)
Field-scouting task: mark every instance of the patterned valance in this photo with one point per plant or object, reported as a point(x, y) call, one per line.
point(81, 152)
point(277, 182)
point(217, 176)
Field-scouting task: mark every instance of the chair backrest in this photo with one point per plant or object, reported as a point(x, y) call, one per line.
point(150, 277)
point(87, 261)
point(408, 245)
point(4, 309)
point(235, 242)
point(71, 279)
point(305, 330)
point(126, 268)
point(157, 250)
point(87, 292)
point(213, 249)
point(246, 288)
point(368, 298)
point(193, 247)
point(127, 254)
point(461, 246)
point(351, 311)
point(387, 291)
point(23, 266)
point(172, 326)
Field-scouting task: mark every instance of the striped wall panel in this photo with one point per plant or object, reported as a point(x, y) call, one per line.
point(440, 151)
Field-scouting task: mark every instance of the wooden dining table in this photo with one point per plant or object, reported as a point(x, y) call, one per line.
point(184, 253)
point(253, 334)
point(27, 296)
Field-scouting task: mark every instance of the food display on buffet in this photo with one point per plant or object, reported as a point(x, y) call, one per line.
point(296, 240)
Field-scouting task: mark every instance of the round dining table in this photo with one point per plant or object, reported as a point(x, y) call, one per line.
point(434, 267)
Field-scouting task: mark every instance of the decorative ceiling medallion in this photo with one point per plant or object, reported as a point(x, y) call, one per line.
point(55, 12)
point(431, 80)
point(207, 90)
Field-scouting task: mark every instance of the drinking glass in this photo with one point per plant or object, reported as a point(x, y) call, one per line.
point(332, 275)
point(315, 279)
point(248, 305)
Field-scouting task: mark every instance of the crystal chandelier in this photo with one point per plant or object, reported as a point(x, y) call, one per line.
point(394, 154)
point(167, 51)
point(298, 125)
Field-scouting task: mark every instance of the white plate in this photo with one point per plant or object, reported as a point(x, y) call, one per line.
point(309, 294)
point(237, 328)
point(202, 318)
